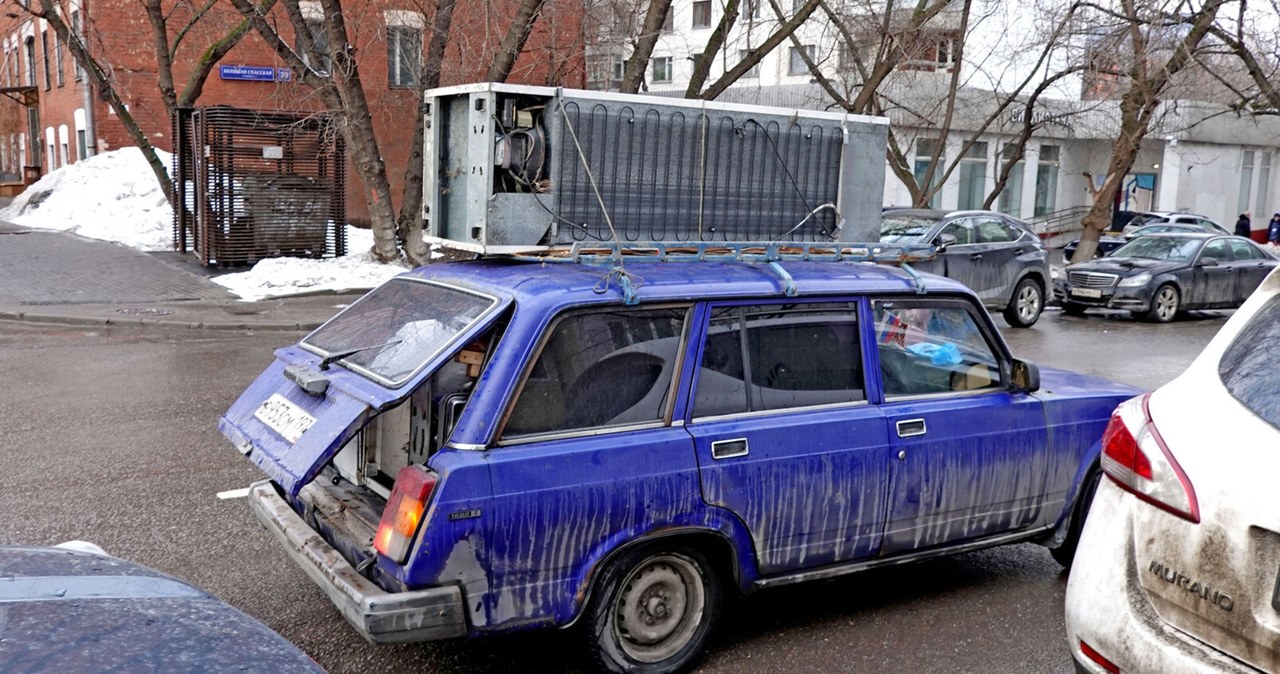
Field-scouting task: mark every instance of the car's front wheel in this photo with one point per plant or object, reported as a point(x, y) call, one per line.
point(653, 609)
point(1025, 306)
point(1164, 304)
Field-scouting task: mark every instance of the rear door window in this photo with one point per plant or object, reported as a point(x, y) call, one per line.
point(601, 369)
point(1248, 367)
point(779, 356)
point(1243, 250)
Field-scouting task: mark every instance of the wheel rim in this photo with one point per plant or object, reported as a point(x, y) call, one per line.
point(1166, 303)
point(1028, 303)
point(659, 608)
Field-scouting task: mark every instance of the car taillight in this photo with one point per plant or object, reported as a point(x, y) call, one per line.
point(1136, 458)
point(1097, 658)
point(404, 511)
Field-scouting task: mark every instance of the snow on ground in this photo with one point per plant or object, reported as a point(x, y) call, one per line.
point(114, 196)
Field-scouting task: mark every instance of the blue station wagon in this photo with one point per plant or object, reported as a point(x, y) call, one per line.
point(495, 445)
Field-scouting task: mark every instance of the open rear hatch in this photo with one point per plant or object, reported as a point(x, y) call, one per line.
point(300, 412)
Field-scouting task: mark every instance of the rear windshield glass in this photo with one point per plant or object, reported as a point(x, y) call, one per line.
point(1248, 368)
point(398, 328)
point(905, 228)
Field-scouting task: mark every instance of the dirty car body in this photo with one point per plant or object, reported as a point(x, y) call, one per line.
point(569, 456)
point(997, 256)
point(1180, 575)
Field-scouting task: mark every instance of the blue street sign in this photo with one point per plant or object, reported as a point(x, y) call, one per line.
point(255, 73)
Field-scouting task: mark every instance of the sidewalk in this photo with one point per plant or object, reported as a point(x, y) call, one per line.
point(55, 277)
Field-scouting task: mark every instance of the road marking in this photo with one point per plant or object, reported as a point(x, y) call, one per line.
point(234, 493)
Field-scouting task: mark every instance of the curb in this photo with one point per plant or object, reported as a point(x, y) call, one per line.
point(61, 319)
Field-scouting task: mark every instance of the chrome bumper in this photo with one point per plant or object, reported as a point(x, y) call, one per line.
point(382, 617)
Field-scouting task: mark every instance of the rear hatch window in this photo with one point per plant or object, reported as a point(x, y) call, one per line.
point(1249, 367)
point(392, 333)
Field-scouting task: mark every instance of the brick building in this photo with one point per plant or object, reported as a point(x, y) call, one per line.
point(51, 118)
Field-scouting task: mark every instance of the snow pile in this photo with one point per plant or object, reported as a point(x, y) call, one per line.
point(112, 196)
point(290, 276)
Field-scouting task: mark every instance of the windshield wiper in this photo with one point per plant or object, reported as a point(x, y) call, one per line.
point(329, 360)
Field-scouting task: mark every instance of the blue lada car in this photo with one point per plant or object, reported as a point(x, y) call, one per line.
point(496, 445)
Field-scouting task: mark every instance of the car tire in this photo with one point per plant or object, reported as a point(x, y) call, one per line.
point(652, 610)
point(1066, 551)
point(1164, 304)
point(1026, 304)
point(1073, 308)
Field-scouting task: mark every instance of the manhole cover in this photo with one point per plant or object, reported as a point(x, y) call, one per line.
point(145, 311)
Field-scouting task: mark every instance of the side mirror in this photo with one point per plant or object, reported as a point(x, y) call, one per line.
point(944, 240)
point(1026, 376)
point(1207, 262)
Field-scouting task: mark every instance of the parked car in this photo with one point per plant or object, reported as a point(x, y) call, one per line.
point(495, 445)
point(1159, 275)
point(77, 609)
point(999, 257)
point(1106, 244)
point(1144, 218)
point(1180, 573)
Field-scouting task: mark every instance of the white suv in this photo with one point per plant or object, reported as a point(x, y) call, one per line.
point(1177, 567)
point(1162, 217)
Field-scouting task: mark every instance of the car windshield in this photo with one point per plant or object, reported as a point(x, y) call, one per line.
point(905, 228)
point(1247, 367)
point(395, 330)
point(1160, 248)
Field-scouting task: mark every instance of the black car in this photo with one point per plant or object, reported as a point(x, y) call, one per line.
point(70, 610)
point(1159, 275)
point(1106, 244)
point(997, 256)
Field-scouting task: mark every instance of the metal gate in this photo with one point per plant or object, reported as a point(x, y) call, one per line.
point(255, 184)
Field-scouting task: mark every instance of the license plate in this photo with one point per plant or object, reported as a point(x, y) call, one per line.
point(1086, 292)
point(284, 417)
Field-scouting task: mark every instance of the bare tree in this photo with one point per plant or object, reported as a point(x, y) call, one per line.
point(633, 70)
point(1152, 62)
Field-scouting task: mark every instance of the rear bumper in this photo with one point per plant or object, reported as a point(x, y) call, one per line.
point(1107, 609)
point(380, 616)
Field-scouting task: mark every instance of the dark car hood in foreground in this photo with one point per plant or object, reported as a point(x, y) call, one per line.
point(64, 612)
point(1127, 266)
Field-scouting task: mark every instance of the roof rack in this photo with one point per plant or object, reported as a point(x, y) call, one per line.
point(771, 253)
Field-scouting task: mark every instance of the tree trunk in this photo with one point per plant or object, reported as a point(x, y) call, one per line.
point(513, 42)
point(702, 64)
point(409, 223)
point(633, 70)
point(784, 31)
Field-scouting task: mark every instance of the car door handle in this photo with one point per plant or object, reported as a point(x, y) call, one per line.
point(909, 428)
point(728, 449)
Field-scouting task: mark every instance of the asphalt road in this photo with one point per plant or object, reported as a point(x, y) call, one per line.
point(109, 436)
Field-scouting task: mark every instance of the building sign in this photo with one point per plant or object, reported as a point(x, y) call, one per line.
point(255, 73)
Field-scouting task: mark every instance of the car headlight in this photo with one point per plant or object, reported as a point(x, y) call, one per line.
point(1134, 281)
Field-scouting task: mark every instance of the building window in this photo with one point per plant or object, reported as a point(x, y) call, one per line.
point(701, 13)
point(320, 39)
point(796, 64)
point(925, 148)
point(752, 8)
point(661, 69)
point(619, 67)
point(404, 56)
point(61, 51)
point(754, 73)
point(75, 28)
point(973, 177)
point(31, 61)
point(1047, 181)
point(1011, 195)
point(1246, 180)
point(1264, 184)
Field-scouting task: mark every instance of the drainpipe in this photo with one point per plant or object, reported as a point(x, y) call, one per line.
point(90, 138)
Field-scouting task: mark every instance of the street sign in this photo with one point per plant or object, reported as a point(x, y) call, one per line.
point(255, 73)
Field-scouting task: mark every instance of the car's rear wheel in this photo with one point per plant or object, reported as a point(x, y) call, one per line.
point(1164, 304)
point(653, 609)
point(1025, 306)
point(1064, 553)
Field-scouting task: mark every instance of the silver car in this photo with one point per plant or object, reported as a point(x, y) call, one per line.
point(997, 256)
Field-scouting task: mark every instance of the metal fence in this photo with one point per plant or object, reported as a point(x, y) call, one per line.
point(255, 184)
